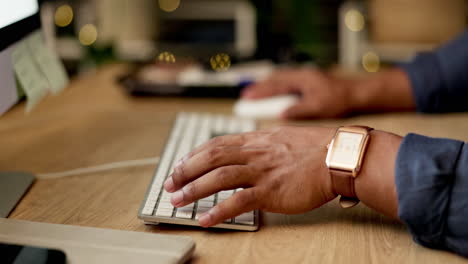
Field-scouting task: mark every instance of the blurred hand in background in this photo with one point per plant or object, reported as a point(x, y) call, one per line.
point(327, 96)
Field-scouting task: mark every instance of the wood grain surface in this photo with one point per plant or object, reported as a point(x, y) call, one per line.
point(95, 122)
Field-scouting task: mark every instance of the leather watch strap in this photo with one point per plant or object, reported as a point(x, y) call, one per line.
point(343, 182)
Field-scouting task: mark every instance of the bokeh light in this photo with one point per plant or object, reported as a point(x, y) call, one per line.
point(63, 16)
point(220, 62)
point(354, 20)
point(371, 62)
point(166, 57)
point(169, 5)
point(88, 34)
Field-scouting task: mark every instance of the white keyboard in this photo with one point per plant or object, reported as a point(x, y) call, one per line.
point(190, 131)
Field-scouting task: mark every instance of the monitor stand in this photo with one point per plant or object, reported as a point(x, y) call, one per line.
point(13, 185)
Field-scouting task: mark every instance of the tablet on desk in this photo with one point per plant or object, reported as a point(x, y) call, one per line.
point(20, 254)
point(95, 245)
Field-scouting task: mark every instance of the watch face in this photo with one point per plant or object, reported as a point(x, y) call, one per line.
point(345, 151)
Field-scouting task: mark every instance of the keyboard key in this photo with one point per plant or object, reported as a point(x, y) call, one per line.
point(201, 211)
point(219, 126)
point(245, 219)
point(186, 140)
point(152, 200)
point(165, 205)
point(207, 204)
point(233, 126)
point(185, 212)
point(162, 212)
point(165, 199)
point(204, 133)
point(224, 195)
point(248, 125)
point(148, 210)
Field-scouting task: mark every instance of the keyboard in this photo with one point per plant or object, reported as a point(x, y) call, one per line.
point(190, 130)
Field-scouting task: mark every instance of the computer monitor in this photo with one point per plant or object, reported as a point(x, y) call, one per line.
point(18, 18)
point(208, 27)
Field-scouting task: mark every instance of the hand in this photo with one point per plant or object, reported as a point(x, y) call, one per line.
point(282, 170)
point(321, 95)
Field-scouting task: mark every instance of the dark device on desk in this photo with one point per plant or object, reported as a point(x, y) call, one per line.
point(18, 254)
point(18, 19)
point(191, 79)
point(202, 28)
point(136, 84)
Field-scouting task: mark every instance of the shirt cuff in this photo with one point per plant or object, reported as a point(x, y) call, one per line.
point(425, 175)
point(425, 76)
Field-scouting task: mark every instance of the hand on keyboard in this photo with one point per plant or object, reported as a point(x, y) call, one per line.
point(282, 170)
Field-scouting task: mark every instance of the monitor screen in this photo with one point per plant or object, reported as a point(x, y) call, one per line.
point(14, 11)
point(17, 19)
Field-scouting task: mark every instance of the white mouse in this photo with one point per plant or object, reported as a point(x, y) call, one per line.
point(267, 108)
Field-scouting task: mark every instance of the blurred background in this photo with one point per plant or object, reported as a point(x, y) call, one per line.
point(355, 35)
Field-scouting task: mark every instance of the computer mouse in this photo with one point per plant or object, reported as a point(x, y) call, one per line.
point(267, 108)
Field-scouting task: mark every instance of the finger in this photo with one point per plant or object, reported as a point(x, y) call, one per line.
point(267, 89)
point(241, 202)
point(223, 178)
point(257, 90)
point(206, 161)
point(297, 111)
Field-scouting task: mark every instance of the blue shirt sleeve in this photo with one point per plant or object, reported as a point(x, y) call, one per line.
point(440, 80)
point(432, 186)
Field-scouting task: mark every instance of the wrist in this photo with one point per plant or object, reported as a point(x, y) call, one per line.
point(389, 90)
point(362, 92)
point(375, 185)
point(328, 189)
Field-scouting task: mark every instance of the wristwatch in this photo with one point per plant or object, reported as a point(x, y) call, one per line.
point(344, 160)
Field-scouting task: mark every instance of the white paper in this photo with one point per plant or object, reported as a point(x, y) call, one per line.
point(48, 62)
point(33, 81)
point(8, 93)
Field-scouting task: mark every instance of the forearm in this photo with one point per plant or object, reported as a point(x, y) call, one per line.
point(389, 90)
point(375, 185)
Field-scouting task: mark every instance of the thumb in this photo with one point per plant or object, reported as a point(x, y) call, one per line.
point(263, 90)
point(297, 111)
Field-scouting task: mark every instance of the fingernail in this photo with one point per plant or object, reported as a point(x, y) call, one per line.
point(177, 198)
point(205, 220)
point(169, 185)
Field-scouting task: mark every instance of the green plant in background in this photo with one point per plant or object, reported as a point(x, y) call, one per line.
point(315, 30)
point(308, 27)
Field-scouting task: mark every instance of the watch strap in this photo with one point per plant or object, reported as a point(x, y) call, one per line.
point(343, 182)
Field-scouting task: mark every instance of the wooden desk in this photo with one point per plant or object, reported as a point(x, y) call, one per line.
point(94, 122)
